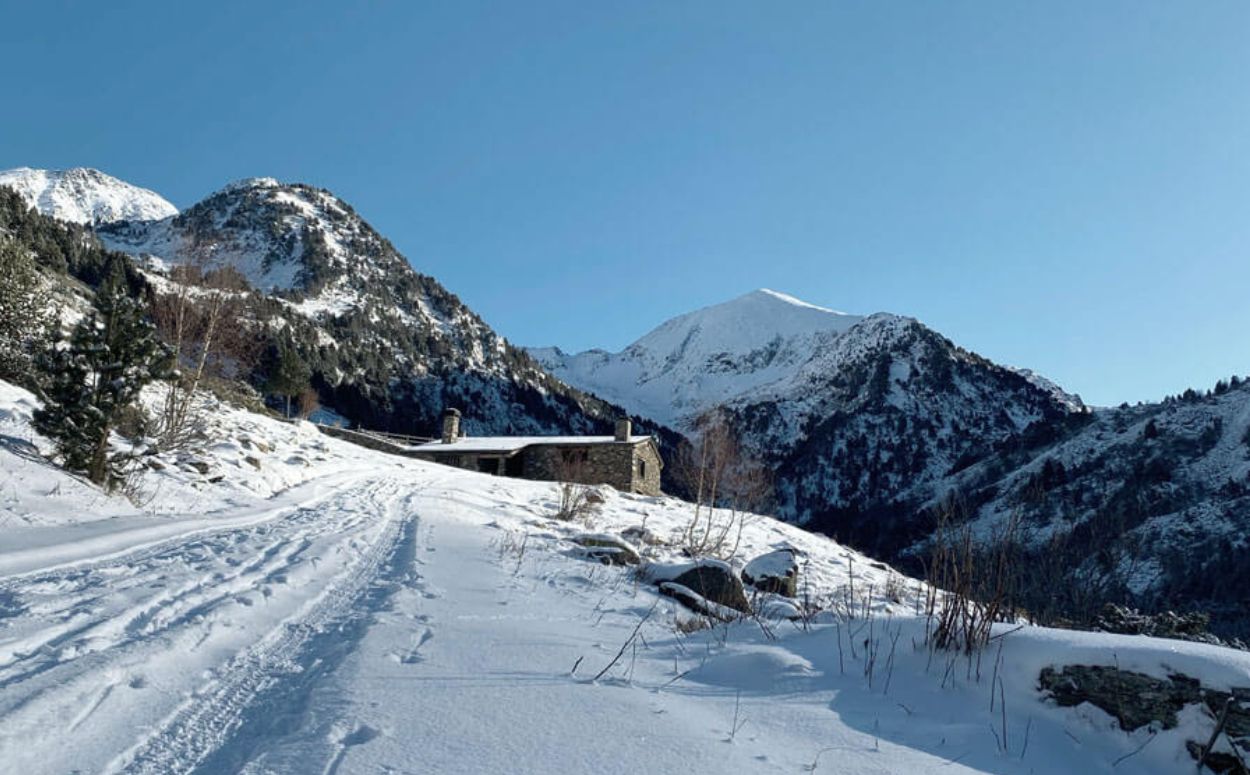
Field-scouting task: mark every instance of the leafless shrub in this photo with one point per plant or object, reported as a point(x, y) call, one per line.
point(895, 587)
point(689, 625)
point(575, 502)
point(632, 640)
point(969, 585)
point(513, 544)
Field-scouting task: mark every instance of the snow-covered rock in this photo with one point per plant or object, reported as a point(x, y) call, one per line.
point(86, 196)
point(777, 572)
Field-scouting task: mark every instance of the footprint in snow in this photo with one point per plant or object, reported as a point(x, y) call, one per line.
point(414, 654)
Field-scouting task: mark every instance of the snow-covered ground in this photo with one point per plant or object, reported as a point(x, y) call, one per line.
point(337, 610)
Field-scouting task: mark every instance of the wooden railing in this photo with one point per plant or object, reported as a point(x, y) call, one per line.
point(379, 440)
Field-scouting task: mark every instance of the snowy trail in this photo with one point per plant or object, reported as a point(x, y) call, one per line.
point(422, 619)
point(90, 543)
point(158, 651)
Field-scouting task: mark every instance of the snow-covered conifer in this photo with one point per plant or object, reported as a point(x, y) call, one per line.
point(24, 312)
point(87, 382)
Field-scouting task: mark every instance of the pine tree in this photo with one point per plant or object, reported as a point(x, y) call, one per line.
point(290, 375)
point(25, 312)
point(87, 382)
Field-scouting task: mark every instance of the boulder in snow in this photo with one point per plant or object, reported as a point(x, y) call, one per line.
point(698, 603)
point(608, 549)
point(776, 572)
point(641, 536)
point(712, 580)
point(1167, 624)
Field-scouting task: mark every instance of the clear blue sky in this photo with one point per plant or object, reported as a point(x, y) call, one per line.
point(1059, 185)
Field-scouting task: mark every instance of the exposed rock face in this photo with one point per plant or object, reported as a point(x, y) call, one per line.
point(1217, 761)
point(776, 572)
point(1136, 699)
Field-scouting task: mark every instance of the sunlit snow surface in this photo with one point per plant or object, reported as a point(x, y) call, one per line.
point(706, 357)
point(87, 196)
point(333, 609)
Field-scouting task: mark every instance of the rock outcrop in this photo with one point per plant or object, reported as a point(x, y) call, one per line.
point(1136, 700)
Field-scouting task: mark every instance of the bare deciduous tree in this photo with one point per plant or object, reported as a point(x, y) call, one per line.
point(726, 484)
point(308, 402)
point(201, 318)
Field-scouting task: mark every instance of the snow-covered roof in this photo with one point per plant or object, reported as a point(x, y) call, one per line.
point(511, 444)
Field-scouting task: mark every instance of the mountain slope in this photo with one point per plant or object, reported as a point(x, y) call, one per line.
point(87, 196)
point(852, 413)
point(1147, 504)
point(877, 431)
point(390, 348)
point(877, 418)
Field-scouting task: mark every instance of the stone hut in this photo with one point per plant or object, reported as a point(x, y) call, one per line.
point(627, 462)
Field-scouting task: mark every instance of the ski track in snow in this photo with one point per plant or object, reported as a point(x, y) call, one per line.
point(102, 628)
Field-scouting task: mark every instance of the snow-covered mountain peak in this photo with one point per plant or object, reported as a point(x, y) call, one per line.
point(703, 358)
point(743, 325)
point(281, 236)
point(1071, 400)
point(84, 195)
point(787, 298)
point(246, 183)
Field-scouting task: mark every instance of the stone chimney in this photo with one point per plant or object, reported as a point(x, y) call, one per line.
point(451, 425)
point(623, 429)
